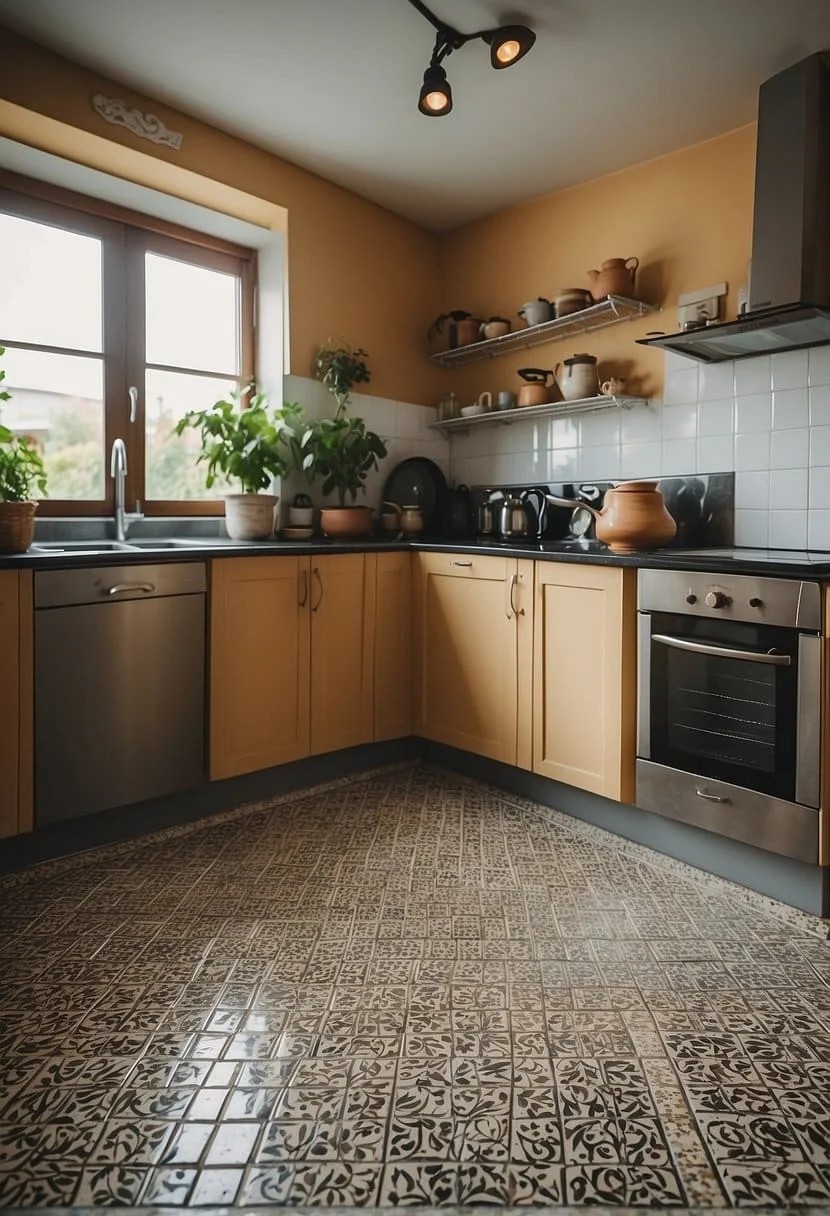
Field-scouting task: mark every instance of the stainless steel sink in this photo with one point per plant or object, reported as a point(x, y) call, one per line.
point(150, 543)
point(80, 546)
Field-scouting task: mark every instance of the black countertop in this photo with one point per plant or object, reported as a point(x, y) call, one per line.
point(772, 562)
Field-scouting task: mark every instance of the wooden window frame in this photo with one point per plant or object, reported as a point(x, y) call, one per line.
point(125, 238)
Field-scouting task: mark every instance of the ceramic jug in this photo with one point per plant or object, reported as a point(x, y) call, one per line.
point(614, 278)
point(633, 517)
point(412, 520)
point(496, 327)
point(577, 377)
point(535, 312)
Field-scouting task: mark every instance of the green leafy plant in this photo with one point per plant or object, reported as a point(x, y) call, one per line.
point(340, 368)
point(340, 450)
point(21, 467)
point(456, 315)
point(250, 445)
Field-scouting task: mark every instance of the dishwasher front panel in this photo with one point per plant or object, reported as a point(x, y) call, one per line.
point(119, 703)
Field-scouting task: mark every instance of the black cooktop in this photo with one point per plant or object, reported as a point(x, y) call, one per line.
point(778, 557)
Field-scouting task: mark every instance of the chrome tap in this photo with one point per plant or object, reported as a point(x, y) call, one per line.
point(118, 471)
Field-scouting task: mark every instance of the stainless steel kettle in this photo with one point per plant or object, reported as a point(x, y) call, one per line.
point(514, 520)
point(486, 514)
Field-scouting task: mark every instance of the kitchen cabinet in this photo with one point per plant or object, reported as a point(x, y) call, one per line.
point(342, 621)
point(259, 663)
point(389, 576)
point(472, 640)
point(291, 659)
point(16, 702)
point(584, 663)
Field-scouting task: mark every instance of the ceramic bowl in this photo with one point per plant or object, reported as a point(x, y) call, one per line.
point(470, 411)
point(297, 533)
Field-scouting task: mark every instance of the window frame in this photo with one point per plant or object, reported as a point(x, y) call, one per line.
point(125, 237)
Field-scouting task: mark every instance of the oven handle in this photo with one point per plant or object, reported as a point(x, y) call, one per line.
point(722, 652)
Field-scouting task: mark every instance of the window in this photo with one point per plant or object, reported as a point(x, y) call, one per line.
point(114, 329)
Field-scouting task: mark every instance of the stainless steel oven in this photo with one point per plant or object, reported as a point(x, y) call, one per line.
point(729, 688)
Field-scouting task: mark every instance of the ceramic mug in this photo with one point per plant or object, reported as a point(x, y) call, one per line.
point(613, 386)
point(300, 517)
point(506, 400)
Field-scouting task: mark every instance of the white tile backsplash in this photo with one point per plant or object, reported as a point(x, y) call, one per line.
point(401, 424)
point(767, 418)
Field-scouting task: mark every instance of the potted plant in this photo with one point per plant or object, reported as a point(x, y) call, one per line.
point(341, 451)
point(21, 474)
point(248, 445)
point(462, 330)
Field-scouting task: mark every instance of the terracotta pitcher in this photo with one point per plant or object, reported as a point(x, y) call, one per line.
point(633, 517)
point(614, 278)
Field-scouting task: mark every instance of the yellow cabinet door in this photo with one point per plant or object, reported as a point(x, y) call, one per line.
point(389, 580)
point(16, 655)
point(467, 653)
point(341, 652)
point(259, 638)
point(584, 704)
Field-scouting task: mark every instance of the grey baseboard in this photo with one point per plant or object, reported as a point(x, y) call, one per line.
point(126, 823)
point(792, 882)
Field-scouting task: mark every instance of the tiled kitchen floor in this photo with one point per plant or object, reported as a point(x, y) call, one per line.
point(409, 989)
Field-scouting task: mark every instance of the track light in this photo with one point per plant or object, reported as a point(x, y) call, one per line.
point(436, 94)
point(508, 44)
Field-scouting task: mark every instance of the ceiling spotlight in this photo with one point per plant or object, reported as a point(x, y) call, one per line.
point(436, 94)
point(508, 44)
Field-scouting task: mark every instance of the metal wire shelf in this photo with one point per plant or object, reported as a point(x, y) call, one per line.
point(607, 312)
point(528, 413)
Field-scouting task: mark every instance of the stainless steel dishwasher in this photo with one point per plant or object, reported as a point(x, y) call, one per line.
point(119, 686)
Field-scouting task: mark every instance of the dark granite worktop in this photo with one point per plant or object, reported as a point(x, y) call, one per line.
point(772, 562)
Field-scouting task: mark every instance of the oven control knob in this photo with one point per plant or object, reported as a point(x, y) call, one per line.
point(755, 602)
point(691, 598)
point(717, 599)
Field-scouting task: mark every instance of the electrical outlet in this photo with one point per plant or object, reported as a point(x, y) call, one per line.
point(698, 307)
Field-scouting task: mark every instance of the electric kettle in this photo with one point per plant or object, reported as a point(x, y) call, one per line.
point(514, 520)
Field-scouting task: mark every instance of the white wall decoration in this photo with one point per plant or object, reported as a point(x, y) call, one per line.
point(145, 126)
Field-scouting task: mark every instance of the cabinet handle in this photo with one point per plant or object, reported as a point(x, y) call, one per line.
point(508, 598)
point(514, 582)
point(120, 588)
point(315, 573)
point(303, 588)
point(461, 563)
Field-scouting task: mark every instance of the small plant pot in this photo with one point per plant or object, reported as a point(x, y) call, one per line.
point(17, 526)
point(345, 522)
point(250, 516)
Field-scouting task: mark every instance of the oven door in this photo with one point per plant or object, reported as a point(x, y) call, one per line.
point(729, 701)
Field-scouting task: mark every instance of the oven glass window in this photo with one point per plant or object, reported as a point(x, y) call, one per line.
point(732, 719)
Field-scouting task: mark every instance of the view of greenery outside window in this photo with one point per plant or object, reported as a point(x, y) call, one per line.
point(116, 330)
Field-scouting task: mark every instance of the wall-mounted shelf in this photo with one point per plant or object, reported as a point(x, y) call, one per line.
point(607, 312)
point(528, 413)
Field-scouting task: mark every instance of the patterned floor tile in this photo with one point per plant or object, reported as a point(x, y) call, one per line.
point(432, 994)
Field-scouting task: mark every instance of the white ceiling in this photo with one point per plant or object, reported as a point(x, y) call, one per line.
point(333, 84)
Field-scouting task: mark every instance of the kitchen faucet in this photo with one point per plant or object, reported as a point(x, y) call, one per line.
point(118, 471)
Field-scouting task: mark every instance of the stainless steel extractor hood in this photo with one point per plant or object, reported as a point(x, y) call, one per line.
point(789, 304)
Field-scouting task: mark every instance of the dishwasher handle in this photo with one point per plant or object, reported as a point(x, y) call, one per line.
point(121, 588)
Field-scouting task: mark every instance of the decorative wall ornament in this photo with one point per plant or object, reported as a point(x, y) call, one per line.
point(145, 126)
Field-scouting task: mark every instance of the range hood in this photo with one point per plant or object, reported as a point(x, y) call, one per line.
point(789, 305)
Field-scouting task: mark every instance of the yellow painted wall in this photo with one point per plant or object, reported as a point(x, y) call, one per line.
point(687, 216)
point(360, 273)
point(356, 271)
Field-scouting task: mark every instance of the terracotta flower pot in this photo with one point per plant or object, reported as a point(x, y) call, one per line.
point(17, 526)
point(345, 522)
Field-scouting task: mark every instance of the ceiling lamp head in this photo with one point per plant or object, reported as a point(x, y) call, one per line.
point(509, 44)
point(436, 94)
